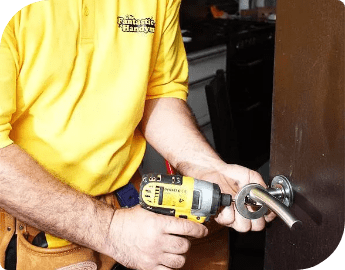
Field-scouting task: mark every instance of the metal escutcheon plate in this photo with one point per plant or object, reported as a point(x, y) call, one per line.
point(241, 203)
point(282, 183)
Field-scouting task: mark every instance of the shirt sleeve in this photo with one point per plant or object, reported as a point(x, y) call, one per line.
point(170, 75)
point(8, 78)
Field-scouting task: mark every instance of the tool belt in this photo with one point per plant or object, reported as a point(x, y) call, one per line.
point(69, 257)
point(30, 257)
point(211, 252)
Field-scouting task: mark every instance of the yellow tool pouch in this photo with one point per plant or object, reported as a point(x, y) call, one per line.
point(30, 257)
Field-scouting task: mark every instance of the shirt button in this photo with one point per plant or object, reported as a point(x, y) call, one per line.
point(86, 11)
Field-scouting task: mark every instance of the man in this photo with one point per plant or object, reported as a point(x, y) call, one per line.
point(83, 85)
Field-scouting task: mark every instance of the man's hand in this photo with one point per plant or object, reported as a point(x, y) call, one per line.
point(144, 240)
point(169, 126)
point(231, 178)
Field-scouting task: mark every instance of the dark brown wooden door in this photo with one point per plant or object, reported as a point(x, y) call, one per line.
point(307, 142)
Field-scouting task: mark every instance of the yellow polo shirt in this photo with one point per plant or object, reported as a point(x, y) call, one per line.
point(74, 77)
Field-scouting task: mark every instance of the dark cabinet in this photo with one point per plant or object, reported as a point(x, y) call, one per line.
point(250, 61)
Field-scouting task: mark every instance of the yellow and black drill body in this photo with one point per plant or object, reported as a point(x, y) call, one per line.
point(181, 196)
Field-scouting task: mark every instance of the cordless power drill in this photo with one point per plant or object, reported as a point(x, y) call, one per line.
point(181, 196)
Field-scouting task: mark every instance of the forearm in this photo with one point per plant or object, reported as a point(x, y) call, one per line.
point(170, 128)
point(34, 196)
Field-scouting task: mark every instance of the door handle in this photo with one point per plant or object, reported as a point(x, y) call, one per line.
point(278, 199)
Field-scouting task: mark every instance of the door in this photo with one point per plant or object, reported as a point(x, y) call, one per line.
point(307, 144)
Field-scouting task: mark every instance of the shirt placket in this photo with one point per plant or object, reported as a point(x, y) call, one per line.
point(87, 21)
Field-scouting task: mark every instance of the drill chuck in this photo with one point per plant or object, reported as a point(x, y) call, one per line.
point(218, 198)
point(226, 199)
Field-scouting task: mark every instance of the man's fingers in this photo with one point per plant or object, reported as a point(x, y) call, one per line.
point(161, 267)
point(231, 218)
point(241, 224)
point(258, 224)
point(227, 216)
point(185, 227)
point(270, 216)
point(175, 244)
point(172, 260)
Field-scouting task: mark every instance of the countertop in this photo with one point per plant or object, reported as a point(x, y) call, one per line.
point(212, 33)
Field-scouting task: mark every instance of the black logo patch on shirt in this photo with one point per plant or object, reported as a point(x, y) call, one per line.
point(130, 24)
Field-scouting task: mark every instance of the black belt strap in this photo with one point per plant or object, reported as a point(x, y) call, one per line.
point(127, 196)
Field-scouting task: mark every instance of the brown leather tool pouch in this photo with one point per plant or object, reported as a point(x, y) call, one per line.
point(7, 230)
point(71, 257)
point(30, 257)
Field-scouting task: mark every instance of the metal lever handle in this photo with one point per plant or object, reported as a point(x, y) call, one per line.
point(277, 198)
point(265, 198)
